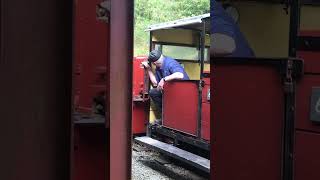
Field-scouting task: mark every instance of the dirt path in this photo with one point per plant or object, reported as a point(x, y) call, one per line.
point(148, 164)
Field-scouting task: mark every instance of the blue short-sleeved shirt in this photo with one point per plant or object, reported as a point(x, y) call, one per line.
point(169, 67)
point(222, 22)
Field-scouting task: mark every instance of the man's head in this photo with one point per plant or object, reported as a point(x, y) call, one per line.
point(156, 58)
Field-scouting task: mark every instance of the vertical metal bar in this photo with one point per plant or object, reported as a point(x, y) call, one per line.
point(150, 41)
point(120, 88)
point(289, 136)
point(289, 128)
point(294, 27)
point(202, 49)
point(148, 129)
point(289, 124)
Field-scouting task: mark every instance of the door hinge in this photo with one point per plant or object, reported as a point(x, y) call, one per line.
point(288, 81)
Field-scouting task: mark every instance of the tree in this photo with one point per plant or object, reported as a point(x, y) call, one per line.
point(148, 12)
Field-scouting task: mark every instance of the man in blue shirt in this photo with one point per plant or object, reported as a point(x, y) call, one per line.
point(226, 37)
point(167, 69)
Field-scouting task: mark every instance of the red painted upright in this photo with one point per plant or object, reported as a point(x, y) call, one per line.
point(139, 91)
point(90, 54)
point(247, 109)
point(90, 153)
point(139, 82)
point(307, 144)
point(90, 81)
point(180, 106)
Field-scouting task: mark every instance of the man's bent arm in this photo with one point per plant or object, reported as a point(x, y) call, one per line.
point(176, 75)
point(222, 45)
point(152, 77)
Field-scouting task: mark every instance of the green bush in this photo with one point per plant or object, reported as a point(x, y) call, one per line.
point(148, 12)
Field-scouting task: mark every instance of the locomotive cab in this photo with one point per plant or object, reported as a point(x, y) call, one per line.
point(185, 103)
point(261, 103)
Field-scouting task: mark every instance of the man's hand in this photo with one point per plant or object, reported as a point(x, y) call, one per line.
point(146, 65)
point(152, 77)
point(160, 84)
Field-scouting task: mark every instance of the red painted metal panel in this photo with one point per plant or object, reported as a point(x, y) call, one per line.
point(312, 33)
point(205, 124)
point(91, 54)
point(247, 109)
point(90, 80)
point(139, 117)
point(180, 106)
point(90, 153)
point(307, 156)
point(139, 109)
point(138, 77)
point(307, 145)
point(304, 90)
point(311, 59)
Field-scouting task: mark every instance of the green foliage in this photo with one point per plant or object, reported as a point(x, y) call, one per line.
point(148, 12)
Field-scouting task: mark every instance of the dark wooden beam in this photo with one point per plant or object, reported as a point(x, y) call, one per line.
point(35, 90)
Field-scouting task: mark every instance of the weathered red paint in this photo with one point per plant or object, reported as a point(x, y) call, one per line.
point(247, 114)
point(139, 117)
point(180, 106)
point(311, 61)
point(205, 124)
point(138, 79)
point(307, 156)
point(139, 104)
point(90, 80)
point(90, 152)
point(307, 137)
point(90, 54)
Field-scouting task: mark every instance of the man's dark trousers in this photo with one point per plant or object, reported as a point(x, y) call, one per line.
point(156, 96)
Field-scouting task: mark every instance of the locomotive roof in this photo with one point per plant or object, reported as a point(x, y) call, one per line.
point(193, 23)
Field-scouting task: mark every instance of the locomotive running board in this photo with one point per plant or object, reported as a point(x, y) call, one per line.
point(177, 153)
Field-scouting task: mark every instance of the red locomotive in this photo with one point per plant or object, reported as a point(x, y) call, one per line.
point(189, 121)
point(265, 109)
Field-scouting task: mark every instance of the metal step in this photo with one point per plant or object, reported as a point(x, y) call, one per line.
point(80, 119)
point(180, 154)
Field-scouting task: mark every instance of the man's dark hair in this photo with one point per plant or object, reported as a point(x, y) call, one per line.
point(154, 55)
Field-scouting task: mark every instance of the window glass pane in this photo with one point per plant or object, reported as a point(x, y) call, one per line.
point(309, 17)
point(181, 52)
point(206, 55)
point(158, 47)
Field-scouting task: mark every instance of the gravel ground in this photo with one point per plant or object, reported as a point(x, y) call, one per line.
point(148, 164)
